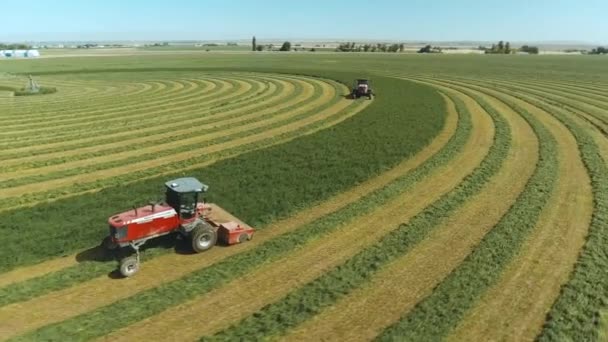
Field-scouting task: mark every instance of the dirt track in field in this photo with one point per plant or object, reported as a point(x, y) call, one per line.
point(63, 304)
point(270, 282)
point(362, 315)
point(515, 307)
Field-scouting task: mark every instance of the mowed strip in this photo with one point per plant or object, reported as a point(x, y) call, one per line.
point(515, 307)
point(121, 99)
point(70, 147)
point(327, 95)
point(110, 109)
point(301, 218)
point(157, 91)
point(191, 132)
point(113, 112)
point(169, 129)
point(63, 304)
point(271, 282)
point(338, 111)
point(364, 313)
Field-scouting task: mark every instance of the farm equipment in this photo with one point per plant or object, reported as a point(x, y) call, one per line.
point(362, 88)
point(181, 213)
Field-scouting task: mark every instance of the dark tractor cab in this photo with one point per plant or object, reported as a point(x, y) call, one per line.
point(182, 195)
point(362, 88)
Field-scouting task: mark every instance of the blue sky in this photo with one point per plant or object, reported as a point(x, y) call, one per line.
point(490, 20)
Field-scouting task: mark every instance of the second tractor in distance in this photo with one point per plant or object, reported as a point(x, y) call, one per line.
point(362, 88)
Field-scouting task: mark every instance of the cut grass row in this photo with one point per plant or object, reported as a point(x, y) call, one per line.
point(412, 276)
point(430, 318)
point(575, 314)
point(183, 161)
point(302, 217)
point(175, 122)
point(162, 88)
point(391, 134)
point(217, 130)
point(395, 145)
point(369, 220)
point(293, 121)
point(107, 108)
point(157, 135)
point(71, 275)
point(515, 305)
point(161, 268)
point(312, 298)
point(238, 88)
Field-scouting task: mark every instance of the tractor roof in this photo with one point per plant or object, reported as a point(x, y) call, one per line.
point(362, 80)
point(186, 184)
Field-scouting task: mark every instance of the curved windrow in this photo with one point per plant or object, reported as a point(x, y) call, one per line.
point(100, 131)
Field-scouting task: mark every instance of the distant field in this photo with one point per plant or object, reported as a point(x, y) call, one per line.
point(468, 201)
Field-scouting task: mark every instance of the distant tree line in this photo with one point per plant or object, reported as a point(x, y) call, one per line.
point(430, 49)
point(529, 49)
point(505, 48)
point(379, 47)
point(500, 48)
point(14, 46)
point(599, 51)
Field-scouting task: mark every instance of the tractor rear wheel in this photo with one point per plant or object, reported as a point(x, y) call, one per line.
point(203, 238)
point(129, 266)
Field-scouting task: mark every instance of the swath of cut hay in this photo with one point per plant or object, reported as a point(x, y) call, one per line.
point(429, 260)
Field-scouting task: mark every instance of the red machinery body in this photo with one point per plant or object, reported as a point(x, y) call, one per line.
point(204, 224)
point(144, 222)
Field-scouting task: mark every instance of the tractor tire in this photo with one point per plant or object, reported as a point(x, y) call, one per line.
point(203, 238)
point(244, 238)
point(108, 244)
point(129, 266)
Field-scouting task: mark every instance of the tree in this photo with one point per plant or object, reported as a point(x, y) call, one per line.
point(254, 46)
point(259, 48)
point(401, 47)
point(508, 48)
point(529, 49)
point(285, 47)
point(501, 46)
point(393, 48)
point(426, 49)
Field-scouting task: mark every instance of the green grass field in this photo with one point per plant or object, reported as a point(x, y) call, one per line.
point(467, 201)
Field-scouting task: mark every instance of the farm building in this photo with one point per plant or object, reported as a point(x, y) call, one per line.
point(19, 53)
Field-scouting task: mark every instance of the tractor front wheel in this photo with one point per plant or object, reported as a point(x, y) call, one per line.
point(129, 266)
point(203, 238)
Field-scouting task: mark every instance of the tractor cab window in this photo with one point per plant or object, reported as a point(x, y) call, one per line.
point(187, 205)
point(183, 203)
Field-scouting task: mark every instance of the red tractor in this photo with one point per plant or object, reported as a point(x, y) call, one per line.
point(204, 224)
point(362, 88)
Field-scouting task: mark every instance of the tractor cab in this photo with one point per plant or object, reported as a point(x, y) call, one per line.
point(362, 88)
point(182, 195)
point(362, 83)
